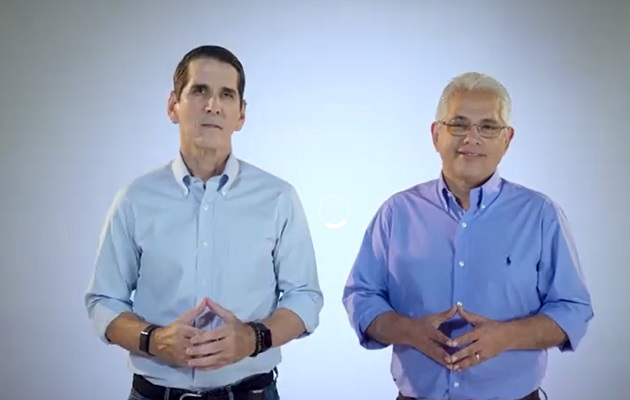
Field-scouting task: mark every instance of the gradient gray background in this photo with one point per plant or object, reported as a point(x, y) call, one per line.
point(340, 102)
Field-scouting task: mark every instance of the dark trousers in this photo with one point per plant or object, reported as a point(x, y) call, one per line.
point(259, 387)
point(532, 396)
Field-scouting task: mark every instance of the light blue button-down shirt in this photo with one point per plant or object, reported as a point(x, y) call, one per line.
point(509, 256)
point(167, 242)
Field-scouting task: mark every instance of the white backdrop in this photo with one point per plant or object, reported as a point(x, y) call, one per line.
point(340, 102)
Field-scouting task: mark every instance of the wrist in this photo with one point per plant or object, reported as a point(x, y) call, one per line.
point(405, 327)
point(154, 340)
point(251, 339)
point(510, 335)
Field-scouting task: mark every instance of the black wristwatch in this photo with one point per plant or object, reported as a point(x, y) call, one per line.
point(145, 338)
point(263, 338)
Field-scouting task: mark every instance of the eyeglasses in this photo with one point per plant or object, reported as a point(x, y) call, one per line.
point(486, 130)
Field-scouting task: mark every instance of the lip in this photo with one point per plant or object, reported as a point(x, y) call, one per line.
point(211, 126)
point(470, 154)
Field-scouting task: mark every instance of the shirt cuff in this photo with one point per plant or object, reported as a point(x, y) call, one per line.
point(570, 321)
point(365, 319)
point(103, 313)
point(307, 306)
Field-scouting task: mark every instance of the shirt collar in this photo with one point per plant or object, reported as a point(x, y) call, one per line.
point(226, 180)
point(480, 197)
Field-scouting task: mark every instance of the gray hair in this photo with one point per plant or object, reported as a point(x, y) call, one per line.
point(475, 81)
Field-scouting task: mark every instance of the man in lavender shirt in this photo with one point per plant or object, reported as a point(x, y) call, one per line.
point(470, 277)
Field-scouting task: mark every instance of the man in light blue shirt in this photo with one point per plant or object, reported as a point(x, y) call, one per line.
point(205, 266)
point(470, 277)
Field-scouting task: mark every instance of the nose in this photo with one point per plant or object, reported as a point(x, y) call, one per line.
point(473, 135)
point(214, 105)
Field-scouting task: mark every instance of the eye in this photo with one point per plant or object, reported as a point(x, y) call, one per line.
point(490, 127)
point(228, 94)
point(198, 90)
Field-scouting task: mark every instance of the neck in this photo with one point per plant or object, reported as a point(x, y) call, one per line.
point(461, 188)
point(204, 163)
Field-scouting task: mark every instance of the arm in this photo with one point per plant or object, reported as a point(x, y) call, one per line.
point(566, 305)
point(390, 328)
point(114, 277)
point(301, 299)
point(365, 296)
point(533, 333)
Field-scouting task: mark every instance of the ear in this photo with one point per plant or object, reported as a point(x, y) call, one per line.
point(241, 119)
point(171, 108)
point(435, 134)
point(508, 138)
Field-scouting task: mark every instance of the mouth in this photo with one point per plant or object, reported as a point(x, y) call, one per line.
point(470, 154)
point(213, 126)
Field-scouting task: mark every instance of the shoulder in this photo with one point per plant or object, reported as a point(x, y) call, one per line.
point(415, 195)
point(263, 180)
point(547, 206)
point(144, 185)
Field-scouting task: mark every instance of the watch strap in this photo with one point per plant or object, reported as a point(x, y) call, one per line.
point(145, 338)
point(263, 339)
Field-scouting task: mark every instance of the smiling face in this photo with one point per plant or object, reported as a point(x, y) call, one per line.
point(471, 153)
point(209, 108)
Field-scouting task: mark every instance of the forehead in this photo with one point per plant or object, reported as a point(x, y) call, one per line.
point(212, 72)
point(474, 105)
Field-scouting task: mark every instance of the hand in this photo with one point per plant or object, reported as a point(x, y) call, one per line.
point(486, 340)
point(170, 342)
point(429, 340)
point(219, 347)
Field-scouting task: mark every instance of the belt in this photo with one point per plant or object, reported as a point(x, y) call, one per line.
point(532, 396)
point(250, 388)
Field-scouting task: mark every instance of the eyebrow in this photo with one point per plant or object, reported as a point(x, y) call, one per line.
point(206, 87)
point(485, 120)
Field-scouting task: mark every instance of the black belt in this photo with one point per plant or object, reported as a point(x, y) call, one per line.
point(532, 396)
point(250, 388)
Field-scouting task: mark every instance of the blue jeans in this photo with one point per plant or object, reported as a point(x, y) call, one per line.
point(270, 393)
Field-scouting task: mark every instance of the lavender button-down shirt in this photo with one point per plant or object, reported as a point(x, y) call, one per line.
point(509, 256)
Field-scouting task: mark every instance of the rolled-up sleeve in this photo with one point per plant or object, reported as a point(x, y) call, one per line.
point(295, 263)
point(365, 295)
point(116, 268)
point(565, 297)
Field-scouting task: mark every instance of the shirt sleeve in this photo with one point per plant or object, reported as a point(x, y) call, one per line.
point(562, 286)
point(116, 268)
point(295, 263)
point(365, 295)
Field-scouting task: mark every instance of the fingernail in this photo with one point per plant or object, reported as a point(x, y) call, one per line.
point(454, 344)
point(453, 360)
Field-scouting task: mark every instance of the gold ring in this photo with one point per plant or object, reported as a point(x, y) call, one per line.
point(477, 356)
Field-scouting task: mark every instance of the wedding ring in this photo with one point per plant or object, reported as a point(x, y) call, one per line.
point(477, 356)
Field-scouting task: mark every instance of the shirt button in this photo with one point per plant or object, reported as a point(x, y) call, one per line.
point(456, 384)
point(483, 206)
point(205, 244)
point(464, 224)
point(461, 263)
point(205, 207)
point(459, 303)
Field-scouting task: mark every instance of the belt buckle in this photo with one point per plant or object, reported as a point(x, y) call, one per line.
point(190, 395)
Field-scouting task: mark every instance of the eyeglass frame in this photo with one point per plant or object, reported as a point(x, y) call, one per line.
point(468, 126)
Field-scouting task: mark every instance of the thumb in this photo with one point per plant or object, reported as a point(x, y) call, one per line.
point(221, 312)
point(189, 316)
point(448, 314)
point(469, 316)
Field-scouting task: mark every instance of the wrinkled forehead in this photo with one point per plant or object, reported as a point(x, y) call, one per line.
point(474, 106)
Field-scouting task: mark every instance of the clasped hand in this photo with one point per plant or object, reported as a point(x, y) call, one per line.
point(486, 340)
point(183, 345)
